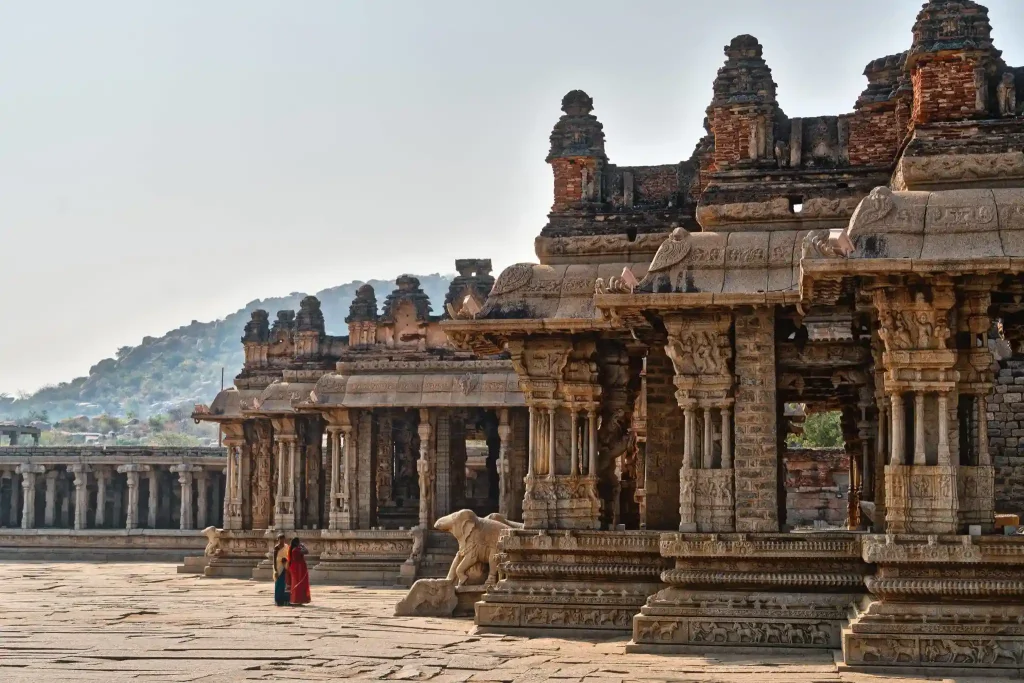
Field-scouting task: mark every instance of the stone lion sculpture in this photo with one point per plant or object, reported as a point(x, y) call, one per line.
point(212, 541)
point(475, 563)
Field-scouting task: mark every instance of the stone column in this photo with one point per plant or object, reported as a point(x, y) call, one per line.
point(334, 507)
point(688, 432)
point(349, 458)
point(28, 493)
point(726, 438)
point(551, 441)
point(100, 520)
point(919, 454)
point(532, 446)
point(896, 446)
point(709, 440)
point(50, 512)
point(944, 456)
point(424, 468)
point(81, 495)
point(232, 510)
point(186, 473)
point(284, 510)
point(131, 473)
point(574, 458)
point(592, 434)
point(154, 497)
point(201, 502)
point(984, 457)
point(504, 468)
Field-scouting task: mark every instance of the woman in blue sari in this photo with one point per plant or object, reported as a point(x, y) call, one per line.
point(282, 583)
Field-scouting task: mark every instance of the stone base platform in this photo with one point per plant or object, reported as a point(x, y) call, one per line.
point(192, 565)
point(571, 580)
point(677, 617)
point(942, 604)
point(100, 545)
point(752, 591)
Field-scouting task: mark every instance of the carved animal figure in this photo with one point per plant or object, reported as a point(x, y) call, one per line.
point(212, 542)
point(671, 252)
point(478, 543)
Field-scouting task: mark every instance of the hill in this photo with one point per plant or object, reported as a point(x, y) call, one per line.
point(184, 365)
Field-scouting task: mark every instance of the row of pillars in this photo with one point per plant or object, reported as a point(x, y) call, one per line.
point(187, 474)
point(692, 441)
point(898, 427)
point(582, 447)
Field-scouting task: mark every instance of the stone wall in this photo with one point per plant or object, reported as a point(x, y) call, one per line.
point(944, 90)
point(664, 447)
point(817, 486)
point(1006, 435)
point(874, 138)
point(756, 460)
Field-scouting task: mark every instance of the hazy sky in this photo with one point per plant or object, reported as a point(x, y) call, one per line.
point(168, 161)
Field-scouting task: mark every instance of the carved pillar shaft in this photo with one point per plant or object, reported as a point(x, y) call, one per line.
point(726, 438)
point(504, 469)
point(348, 464)
point(551, 442)
point(424, 469)
point(919, 453)
point(81, 496)
point(100, 519)
point(154, 496)
point(592, 448)
point(574, 461)
point(50, 510)
point(709, 436)
point(984, 457)
point(898, 439)
point(28, 500)
point(944, 458)
point(532, 447)
point(335, 502)
point(201, 500)
point(688, 437)
point(132, 514)
point(185, 514)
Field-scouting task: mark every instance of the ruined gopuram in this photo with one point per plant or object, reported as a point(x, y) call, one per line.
point(860, 263)
point(357, 444)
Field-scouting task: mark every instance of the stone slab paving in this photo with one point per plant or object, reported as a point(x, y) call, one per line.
point(143, 622)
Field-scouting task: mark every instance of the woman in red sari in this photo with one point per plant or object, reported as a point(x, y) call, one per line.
point(299, 573)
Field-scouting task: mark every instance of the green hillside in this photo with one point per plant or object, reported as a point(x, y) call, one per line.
point(183, 366)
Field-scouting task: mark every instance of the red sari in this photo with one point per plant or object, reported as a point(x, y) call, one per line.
point(299, 575)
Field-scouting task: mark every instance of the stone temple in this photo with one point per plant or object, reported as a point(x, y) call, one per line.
point(629, 396)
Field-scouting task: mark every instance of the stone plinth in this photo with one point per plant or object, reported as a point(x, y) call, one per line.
point(921, 499)
point(236, 553)
point(100, 545)
point(941, 603)
point(976, 496)
point(738, 590)
point(561, 501)
point(364, 556)
point(582, 580)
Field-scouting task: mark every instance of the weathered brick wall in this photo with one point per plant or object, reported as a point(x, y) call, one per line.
point(817, 486)
point(874, 137)
point(732, 137)
point(756, 441)
point(1006, 435)
point(944, 90)
point(664, 444)
point(569, 180)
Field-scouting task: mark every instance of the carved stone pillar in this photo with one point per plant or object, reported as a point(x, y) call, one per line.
point(186, 473)
point(425, 469)
point(334, 497)
point(131, 472)
point(81, 473)
point(50, 511)
point(202, 502)
point(100, 519)
point(154, 497)
point(504, 466)
point(914, 327)
point(284, 508)
point(28, 493)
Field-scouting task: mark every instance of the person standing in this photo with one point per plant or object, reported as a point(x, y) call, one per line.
point(299, 573)
point(282, 580)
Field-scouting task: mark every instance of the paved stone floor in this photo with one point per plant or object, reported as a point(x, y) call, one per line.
point(118, 622)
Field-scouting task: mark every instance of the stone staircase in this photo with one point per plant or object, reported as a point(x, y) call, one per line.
point(437, 559)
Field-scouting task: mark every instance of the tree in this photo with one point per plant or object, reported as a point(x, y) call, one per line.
point(821, 430)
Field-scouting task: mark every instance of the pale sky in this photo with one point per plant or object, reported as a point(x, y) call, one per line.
point(168, 161)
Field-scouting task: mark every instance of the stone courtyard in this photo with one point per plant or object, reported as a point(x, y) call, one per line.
point(119, 622)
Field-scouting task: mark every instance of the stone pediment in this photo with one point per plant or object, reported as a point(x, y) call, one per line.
point(528, 291)
point(412, 385)
point(279, 397)
point(228, 404)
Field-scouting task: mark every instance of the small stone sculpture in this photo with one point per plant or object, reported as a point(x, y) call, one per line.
point(212, 542)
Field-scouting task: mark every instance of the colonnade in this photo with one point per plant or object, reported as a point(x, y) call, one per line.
point(81, 496)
